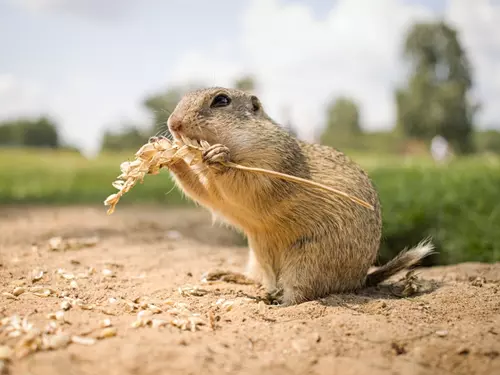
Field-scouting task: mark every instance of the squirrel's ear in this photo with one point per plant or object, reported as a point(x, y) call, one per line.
point(256, 106)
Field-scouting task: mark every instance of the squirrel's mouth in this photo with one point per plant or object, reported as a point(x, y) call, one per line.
point(180, 136)
point(177, 135)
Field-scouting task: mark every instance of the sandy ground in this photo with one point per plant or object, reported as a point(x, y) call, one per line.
point(144, 255)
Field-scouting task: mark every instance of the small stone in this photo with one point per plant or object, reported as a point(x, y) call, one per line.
point(463, 351)
point(478, 281)
point(107, 272)
point(137, 323)
point(65, 305)
point(228, 305)
point(36, 275)
point(105, 323)
point(442, 333)
point(18, 291)
point(144, 314)
point(83, 340)
point(107, 333)
point(56, 341)
point(43, 293)
point(73, 284)
point(59, 315)
point(55, 243)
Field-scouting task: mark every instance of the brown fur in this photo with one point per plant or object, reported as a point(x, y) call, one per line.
point(304, 241)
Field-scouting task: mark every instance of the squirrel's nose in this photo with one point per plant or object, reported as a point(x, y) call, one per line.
point(174, 122)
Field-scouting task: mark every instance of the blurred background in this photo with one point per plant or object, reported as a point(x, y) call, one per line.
point(410, 89)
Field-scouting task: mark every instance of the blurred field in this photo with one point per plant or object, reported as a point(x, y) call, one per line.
point(64, 177)
point(456, 204)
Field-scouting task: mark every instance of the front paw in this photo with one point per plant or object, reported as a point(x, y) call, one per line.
point(216, 155)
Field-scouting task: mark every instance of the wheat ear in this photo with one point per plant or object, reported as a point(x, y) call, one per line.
point(160, 152)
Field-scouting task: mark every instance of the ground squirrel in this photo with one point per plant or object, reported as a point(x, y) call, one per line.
point(305, 243)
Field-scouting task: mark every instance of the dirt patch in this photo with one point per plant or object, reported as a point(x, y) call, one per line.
point(447, 324)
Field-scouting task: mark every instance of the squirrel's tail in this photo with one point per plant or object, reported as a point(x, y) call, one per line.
point(403, 260)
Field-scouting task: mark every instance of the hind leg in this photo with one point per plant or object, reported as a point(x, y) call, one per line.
point(253, 273)
point(301, 286)
point(228, 276)
point(313, 270)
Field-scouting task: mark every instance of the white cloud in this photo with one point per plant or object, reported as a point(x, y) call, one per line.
point(194, 67)
point(19, 97)
point(301, 62)
point(95, 9)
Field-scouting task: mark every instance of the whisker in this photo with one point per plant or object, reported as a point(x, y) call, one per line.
point(168, 135)
point(162, 126)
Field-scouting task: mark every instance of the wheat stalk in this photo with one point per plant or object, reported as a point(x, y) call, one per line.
point(161, 152)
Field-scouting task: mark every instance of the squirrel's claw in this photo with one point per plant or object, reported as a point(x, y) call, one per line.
point(216, 155)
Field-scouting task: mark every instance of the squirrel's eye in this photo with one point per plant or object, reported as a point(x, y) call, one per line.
point(220, 100)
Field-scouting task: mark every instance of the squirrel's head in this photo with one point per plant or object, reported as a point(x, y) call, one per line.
point(230, 117)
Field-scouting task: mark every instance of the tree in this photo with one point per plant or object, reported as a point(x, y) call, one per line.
point(30, 132)
point(343, 121)
point(41, 133)
point(245, 83)
point(435, 100)
point(10, 135)
point(128, 138)
point(488, 141)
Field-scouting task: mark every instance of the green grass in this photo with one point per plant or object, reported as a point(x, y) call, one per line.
point(53, 177)
point(457, 204)
point(65, 177)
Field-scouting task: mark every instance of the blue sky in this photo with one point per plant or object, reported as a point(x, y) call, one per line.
point(89, 63)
